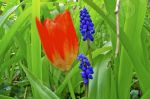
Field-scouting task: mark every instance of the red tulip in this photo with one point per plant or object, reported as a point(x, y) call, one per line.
point(59, 40)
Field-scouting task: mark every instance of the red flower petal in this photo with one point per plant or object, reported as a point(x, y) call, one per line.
point(59, 40)
point(56, 37)
point(66, 22)
point(45, 38)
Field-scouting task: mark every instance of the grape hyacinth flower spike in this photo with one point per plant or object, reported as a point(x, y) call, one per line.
point(86, 68)
point(86, 26)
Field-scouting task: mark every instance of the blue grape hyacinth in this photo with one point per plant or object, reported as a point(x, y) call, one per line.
point(86, 26)
point(86, 68)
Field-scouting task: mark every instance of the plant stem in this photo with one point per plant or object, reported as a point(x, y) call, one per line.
point(90, 59)
point(71, 90)
point(117, 28)
point(86, 91)
point(89, 51)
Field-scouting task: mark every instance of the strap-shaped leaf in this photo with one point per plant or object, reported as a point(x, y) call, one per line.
point(43, 91)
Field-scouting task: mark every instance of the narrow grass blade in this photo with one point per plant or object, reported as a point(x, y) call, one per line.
point(6, 15)
point(4, 43)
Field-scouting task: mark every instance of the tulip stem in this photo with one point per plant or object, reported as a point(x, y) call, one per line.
point(71, 89)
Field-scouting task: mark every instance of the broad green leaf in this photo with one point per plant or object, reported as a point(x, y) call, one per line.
point(110, 6)
point(43, 91)
point(125, 75)
point(145, 44)
point(102, 50)
point(5, 97)
point(99, 86)
point(135, 15)
point(113, 86)
point(109, 19)
point(146, 95)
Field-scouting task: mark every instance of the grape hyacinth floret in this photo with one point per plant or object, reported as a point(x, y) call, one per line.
point(86, 68)
point(86, 26)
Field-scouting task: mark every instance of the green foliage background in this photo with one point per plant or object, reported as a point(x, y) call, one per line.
point(26, 73)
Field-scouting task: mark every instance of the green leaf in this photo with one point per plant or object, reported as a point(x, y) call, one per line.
point(101, 51)
point(113, 86)
point(99, 86)
point(110, 6)
point(124, 75)
point(43, 91)
point(36, 46)
point(146, 95)
point(135, 14)
point(145, 44)
point(45, 71)
point(9, 62)
point(6, 40)
point(5, 97)
point(5, 16)
point(127, 42)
